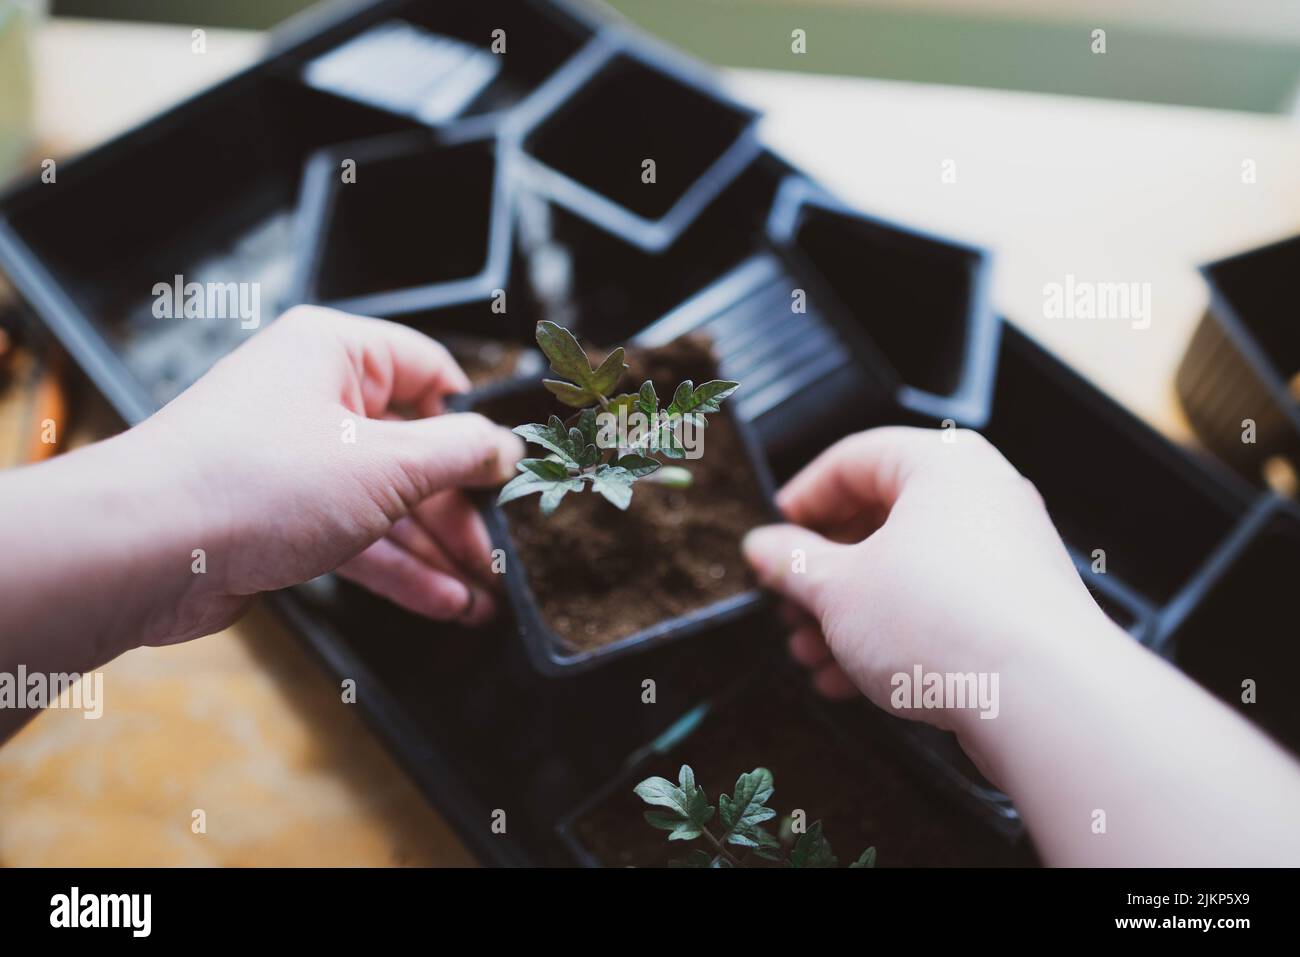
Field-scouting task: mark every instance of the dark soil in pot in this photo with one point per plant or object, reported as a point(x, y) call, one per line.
point(864, 796)
point(599, 574)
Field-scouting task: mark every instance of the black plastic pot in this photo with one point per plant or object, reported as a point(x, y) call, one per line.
point(434, 63)
point(611, 288)
point(206, 191)
point(423, 235)
point(922, 300)
point(548, 651)
point(1110, 481)
point(1242, 358)
point(865, 756)
point(620, 102)
point(799, 368)
point(1236, 621)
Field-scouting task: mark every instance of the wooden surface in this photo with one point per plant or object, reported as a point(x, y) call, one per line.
point(245, 726)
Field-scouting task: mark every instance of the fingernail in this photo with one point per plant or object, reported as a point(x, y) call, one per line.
point(752, 545)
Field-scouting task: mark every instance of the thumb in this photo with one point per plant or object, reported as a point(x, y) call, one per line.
point(795, 562)
point(452, 451)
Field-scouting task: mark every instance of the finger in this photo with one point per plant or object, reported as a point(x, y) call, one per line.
point(390, 571)
point(796, 563)
point(395, 364)
point(793, 616)
point(456, 525)
point(410, 535)
point(447, 451)
point(860, 477)
point(419, 542)
point(808, 647)
point(830, 681)
point(413, 537)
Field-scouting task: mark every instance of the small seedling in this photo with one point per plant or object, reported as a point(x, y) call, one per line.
point(740, 834)
point(610, 443)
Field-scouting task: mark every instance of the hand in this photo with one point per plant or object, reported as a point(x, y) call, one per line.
point(295, 460)
point(918, 547)
point(941, 554)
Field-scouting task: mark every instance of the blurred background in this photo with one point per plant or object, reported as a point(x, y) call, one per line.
point(1174, 51)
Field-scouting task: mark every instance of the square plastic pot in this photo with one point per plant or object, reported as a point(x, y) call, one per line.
point(769, 719)
point(1111, 483)
point(547, 650)
point(1242, 359)
point(610, 288)
point(422, 235)
point(922, 300)
point(206, 191)
point(441, 63)
point(1235, 623)
point(800, 368)
point(621, 104)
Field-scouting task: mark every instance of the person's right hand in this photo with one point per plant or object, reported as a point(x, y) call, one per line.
point(916, 547)
point(940, 554)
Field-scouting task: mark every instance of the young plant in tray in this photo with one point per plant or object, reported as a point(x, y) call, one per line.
point(612, 442)
point(738, 833)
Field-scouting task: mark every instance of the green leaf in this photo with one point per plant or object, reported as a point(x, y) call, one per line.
point(745, 811)
point(557, 490)
point(769, 848)
point(553, 437)
point(586, 455)
point(704, 398)
point(661, 792)
point(521, 485)
point(638, 465)
point(669, 445)
point(548, 469)
point(680, 828)
point(568, 394)
point(696, 858)
point(647, 402)
point(585, 422)
point(664, 820)
point(614, 484)
point(566, 356)
point(868, 859)
point(627, 400)
point(684, 798)
point(607, 374)
point(547, 476)
point(568, 359)
point(813, 850)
